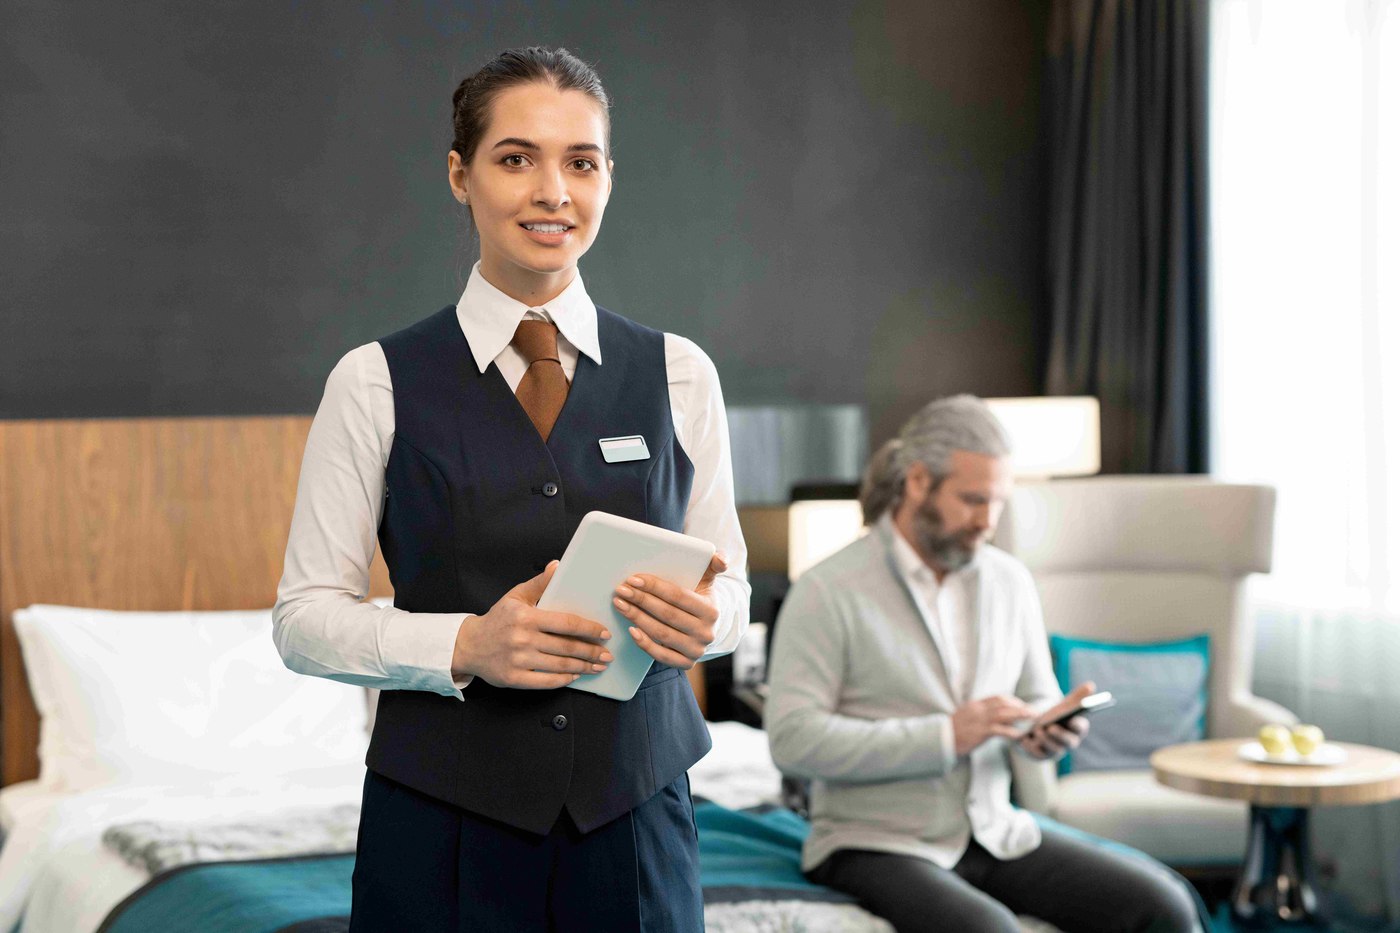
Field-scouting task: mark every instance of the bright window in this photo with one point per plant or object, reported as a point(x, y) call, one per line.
point(1305, 203)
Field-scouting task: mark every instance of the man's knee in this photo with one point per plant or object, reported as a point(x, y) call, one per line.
point(991, 916)
point(1168, 908)
point(962, 915)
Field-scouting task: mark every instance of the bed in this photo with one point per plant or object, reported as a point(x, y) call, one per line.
point(188, 780)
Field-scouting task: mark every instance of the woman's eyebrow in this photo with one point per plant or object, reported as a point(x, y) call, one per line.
point(518, 143)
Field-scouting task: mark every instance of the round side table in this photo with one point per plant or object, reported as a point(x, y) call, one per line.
point(1275, 888)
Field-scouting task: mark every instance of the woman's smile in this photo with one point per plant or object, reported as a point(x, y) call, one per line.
point(548, 232)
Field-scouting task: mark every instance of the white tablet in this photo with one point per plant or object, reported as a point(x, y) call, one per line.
point(606, 550)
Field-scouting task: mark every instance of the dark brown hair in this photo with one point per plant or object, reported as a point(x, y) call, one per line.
point(471, 103)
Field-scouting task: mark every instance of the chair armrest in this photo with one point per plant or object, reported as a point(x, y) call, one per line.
point(1245, 714)
point(1033, 783)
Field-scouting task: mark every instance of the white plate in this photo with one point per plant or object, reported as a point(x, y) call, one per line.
point(1326, 754)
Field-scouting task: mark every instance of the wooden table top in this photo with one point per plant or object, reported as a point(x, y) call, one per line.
point(1214, 767)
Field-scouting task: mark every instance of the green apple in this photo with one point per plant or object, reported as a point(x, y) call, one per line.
point(1307, 739)
point(1276, 739)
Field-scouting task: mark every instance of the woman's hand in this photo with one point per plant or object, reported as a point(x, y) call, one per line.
point(518, 645)
point(671, 624)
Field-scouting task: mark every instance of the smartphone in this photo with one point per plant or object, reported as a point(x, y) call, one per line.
point(1090, 704)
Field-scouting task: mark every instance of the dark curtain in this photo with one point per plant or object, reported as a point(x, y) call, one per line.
point(1127, 251)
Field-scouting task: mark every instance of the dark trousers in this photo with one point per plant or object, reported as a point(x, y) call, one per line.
point(1065, 881)
point(425, 866)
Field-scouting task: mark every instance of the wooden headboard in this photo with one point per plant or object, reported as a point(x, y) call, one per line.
point(149, 513)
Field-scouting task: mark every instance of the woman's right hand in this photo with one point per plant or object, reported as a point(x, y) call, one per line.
point(518, 645)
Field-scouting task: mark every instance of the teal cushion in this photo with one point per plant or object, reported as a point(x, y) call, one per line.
point(1161, 692)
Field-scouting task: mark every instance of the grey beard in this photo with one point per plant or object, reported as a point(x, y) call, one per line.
point(950, 553)
point(946, 550)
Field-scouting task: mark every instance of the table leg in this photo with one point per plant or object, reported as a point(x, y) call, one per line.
point(1276, 883)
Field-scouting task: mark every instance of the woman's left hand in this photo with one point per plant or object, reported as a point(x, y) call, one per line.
point(671, 624)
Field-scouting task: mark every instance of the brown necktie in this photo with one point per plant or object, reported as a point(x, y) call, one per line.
point(543, 388)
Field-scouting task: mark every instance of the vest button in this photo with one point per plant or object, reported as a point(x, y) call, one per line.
point(551, 490)
point(560, 722)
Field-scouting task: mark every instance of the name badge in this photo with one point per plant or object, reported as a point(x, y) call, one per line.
point(623, 449)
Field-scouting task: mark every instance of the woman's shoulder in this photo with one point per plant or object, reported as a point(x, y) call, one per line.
point(441, 324)
point(682, 351)
point(685, 361)
point(359, 370)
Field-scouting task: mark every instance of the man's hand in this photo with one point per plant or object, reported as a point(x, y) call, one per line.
point(979, 720)
point(518, 645)
point(671, 624)
point(1048, 741)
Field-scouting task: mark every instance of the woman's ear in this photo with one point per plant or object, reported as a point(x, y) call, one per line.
point(457, 177)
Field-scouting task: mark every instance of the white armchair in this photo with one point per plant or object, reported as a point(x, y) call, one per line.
point(1147, 559)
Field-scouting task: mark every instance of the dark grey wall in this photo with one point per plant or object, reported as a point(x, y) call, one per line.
point(205, 205)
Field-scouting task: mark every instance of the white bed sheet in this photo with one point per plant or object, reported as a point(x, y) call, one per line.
point(738, 772)
point(18, 798)
point(58, 877)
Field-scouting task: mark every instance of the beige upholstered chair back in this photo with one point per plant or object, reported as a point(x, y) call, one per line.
point(1145, 559)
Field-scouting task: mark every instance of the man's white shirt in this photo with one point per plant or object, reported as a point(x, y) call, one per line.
point(951, 608)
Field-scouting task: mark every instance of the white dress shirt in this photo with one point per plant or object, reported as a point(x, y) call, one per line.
point(321, 624)
point(950, 606)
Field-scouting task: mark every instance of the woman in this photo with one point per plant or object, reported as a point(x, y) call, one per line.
point(469, 441)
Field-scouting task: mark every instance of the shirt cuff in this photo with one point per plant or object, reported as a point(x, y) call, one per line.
point(421, 645)
point(731, 597)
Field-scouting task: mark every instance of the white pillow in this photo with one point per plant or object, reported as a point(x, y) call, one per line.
point(176, 698)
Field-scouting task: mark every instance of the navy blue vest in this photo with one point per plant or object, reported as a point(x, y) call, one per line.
point(476, 503)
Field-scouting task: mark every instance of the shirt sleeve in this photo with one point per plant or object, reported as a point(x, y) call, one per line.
point(697, 410)
point(808, 735)
point(321, 624)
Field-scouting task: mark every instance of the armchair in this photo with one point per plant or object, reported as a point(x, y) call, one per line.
point(1149, 559)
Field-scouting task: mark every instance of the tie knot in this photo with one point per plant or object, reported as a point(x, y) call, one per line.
point(536, 340)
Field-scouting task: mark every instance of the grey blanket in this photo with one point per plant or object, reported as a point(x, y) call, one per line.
point(159, 846)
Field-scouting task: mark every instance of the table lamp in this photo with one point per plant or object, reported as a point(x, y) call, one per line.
point(1050, 435)
point(822, 519)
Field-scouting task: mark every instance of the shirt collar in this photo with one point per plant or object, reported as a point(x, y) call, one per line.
point(911, 566)
point(488, 318)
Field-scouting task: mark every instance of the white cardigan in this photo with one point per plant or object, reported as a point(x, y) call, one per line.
point(860, 702)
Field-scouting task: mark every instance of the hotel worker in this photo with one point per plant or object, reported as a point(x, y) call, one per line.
point(469, 442)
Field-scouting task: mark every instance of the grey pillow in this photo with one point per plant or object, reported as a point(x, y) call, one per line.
point(1161, 694)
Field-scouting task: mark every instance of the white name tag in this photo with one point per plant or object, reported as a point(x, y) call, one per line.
point(623, 449)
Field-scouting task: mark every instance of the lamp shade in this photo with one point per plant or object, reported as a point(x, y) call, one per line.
point(1052, 435)
point(818, 528)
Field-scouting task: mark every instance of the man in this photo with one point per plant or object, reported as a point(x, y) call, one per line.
point(905, 670)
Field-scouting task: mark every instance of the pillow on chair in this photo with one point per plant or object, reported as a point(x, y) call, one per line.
point(1161, 694)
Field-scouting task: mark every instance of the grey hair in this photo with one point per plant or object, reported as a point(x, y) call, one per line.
point(960, 422)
